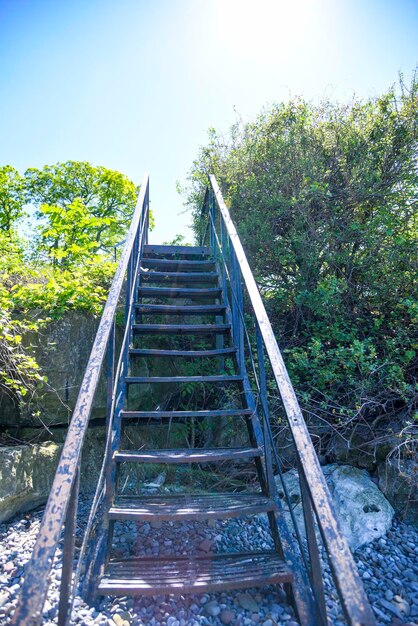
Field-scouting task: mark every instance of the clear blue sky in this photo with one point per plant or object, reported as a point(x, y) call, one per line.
point(134, 84)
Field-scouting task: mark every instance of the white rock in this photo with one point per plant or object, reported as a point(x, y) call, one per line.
point(363, 510)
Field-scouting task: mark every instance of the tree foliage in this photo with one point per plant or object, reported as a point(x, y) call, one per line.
point(82, 209)
point(19, 372)
point(12, 198)
point(81, 212)
point(325, 200)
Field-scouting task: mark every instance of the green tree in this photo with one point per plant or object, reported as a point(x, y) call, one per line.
point(69, 234)
point(325, 199)
point(12, 197)
point(82, 209)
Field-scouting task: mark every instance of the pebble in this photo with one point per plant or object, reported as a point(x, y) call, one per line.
point(3, 598)
point(8, 567)
point(212, 608)
point(388, 567)
point(402, 605)
point(205, 545)
point(390, 607)
point(247, 602)
point(227, 616)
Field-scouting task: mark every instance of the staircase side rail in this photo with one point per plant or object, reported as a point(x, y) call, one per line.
point(92, 545)
point(349, 585)
point(61, 507)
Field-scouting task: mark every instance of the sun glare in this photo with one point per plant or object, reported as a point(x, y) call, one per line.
point(263, 30)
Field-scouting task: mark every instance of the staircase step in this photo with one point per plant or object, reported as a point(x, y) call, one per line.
point(170, 575)
point(132, 380)
point(179, 277)
point(186, 455)
point(181, 329)
point(175, 264)
point(190, 507)
point(187, 251)
point(171, 309)
point(182, 353)
point(179, 292)
point(185, 414)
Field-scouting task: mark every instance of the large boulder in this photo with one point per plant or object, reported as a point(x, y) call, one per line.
point(363, 510)
point(26, 474)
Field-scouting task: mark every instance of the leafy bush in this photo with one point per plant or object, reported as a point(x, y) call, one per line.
point(19, 372)
point(325, 201)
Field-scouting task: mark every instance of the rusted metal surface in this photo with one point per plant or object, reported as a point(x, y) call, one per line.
point(353, 597)
point(187, 455)
point(172, 309)
point(286, 546)
point(35, 586)
point(181, 353)
point(68, 554)
point(178, 575)
point(179, 277)
point(313, 548)
point(148, 380)
point(188, 506)
point(179, 292)
point(151, 250)
point(110, 378)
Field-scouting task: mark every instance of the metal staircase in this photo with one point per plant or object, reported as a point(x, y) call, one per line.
point(185, 305)
point(163, 270)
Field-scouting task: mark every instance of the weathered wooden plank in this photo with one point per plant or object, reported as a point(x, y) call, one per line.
point(185, 414)
point(178, 292)
point(181, 353)
point(179, 277)
point(172, 309)
point(151, 250)
point(190, 506)
point(187, 455)
point(173, 264)
point(187, 575)
point(132, 380)
point(180, 329)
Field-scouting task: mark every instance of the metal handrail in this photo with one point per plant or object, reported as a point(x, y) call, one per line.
point(61, 507)
point(349, 586)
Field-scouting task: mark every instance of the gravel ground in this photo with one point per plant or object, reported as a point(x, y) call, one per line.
point(388, 566)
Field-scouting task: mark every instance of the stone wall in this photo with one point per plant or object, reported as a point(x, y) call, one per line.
point(26, 474)
point(27, 470)
point(62, 350)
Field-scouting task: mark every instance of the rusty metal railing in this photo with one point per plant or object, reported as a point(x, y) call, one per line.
point(316, 499)
point(61, 508)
